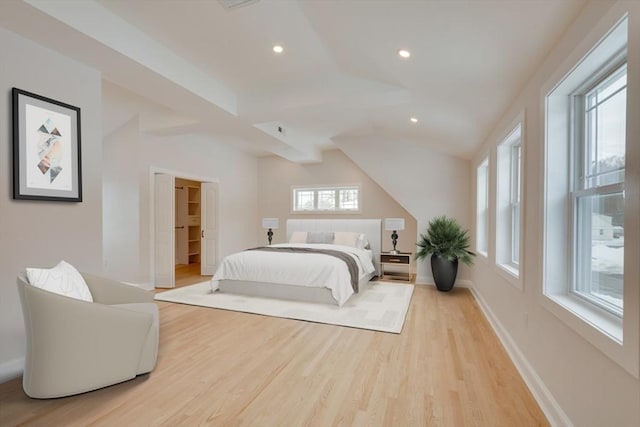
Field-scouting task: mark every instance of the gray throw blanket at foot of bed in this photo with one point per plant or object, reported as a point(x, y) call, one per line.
point(352, 266)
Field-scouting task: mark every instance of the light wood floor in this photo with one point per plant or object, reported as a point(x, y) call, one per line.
point(225, 368)
point(189, 274)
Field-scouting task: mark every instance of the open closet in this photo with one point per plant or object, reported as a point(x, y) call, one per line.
point(185, 230)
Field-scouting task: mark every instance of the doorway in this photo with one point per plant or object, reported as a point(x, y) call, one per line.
point(185, 230)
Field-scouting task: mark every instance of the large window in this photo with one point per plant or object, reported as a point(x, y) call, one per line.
point(508, 224)
point(599, 109)
point(590, 222)
point(482, 207)
point(326, 199)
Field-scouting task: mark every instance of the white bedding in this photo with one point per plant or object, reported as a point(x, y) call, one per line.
point(299, 269)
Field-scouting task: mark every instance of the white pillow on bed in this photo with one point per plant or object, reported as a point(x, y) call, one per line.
point(363, 242)
point(298, 237)
point(346, 238)
point(320, 237)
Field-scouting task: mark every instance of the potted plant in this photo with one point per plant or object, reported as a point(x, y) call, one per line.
point(447, 242)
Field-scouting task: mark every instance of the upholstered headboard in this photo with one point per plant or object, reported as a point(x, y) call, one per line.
point(372, 228)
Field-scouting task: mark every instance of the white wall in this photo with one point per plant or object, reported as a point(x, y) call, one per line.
point(133, 153)
point(424, 182)
point(38, 233)
point(575, 382)
point(277, 176)
point(121, 203)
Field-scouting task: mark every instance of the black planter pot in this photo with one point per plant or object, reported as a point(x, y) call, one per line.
point(444, 272)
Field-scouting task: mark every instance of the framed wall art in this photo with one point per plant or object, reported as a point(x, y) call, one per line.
point(46, 149)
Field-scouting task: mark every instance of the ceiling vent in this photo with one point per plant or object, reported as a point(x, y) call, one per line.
point(235, 4)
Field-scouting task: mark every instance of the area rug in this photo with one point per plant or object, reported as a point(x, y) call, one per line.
point(380, 306)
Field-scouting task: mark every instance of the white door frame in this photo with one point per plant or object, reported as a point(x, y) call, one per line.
point(164, 232)
point(153, 170)
point(209, 193)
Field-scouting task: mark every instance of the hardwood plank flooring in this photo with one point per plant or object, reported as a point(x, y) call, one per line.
point(189, 274)
point(224, 368)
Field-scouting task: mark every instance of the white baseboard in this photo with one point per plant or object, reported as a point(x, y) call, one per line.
point(145, 286)
point(11, 369)
point(428, 280)
point(424, 280)
point(552, 410)
point(463, 283)
point(149, 286)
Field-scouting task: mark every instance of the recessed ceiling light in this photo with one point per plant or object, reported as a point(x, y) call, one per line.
point(403, 53)
point(413, 120)
point(278, 48)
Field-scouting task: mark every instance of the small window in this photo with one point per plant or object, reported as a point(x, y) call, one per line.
point(327, 199)
point(348, 198)
point(508, 211)
point(304, 200)
point(482, 207)
point(516, 171)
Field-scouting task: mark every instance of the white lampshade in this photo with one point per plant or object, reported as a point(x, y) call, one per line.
point(272, 223)
point(392, 224)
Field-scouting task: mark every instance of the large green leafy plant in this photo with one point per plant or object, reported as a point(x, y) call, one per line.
point(445, 237)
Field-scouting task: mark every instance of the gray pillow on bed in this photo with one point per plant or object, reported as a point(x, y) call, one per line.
point(320, 237)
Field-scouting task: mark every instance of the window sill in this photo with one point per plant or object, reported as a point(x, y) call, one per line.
point(510, 274)
point(596, 318)
point(325, 212)
point(600, 328)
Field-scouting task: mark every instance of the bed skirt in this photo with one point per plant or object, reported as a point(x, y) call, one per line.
point(280, 291)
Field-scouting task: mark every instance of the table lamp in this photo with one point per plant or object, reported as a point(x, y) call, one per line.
point(394, 224)
point(270, 224)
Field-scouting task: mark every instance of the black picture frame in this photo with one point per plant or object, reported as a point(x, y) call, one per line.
point(47, 161)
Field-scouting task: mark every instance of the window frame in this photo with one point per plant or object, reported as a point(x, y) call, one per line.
point(509, 212)
point(482, 226)
point(579, 147)
point(618, 339)
point(316, 189)
point(515, 202)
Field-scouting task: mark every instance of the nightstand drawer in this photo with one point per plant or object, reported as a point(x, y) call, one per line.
point(395, 262)
point(396, 259)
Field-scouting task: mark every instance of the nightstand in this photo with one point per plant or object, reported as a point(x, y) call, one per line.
point(401, 260)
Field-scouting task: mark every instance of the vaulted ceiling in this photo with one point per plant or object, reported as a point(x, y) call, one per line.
point(339, 74)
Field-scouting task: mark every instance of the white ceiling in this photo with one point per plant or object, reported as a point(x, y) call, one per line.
point(339, 75)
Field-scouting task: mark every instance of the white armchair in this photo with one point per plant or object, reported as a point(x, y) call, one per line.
point(75, 346)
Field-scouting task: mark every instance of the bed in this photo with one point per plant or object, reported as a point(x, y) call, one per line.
point(295, 270)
